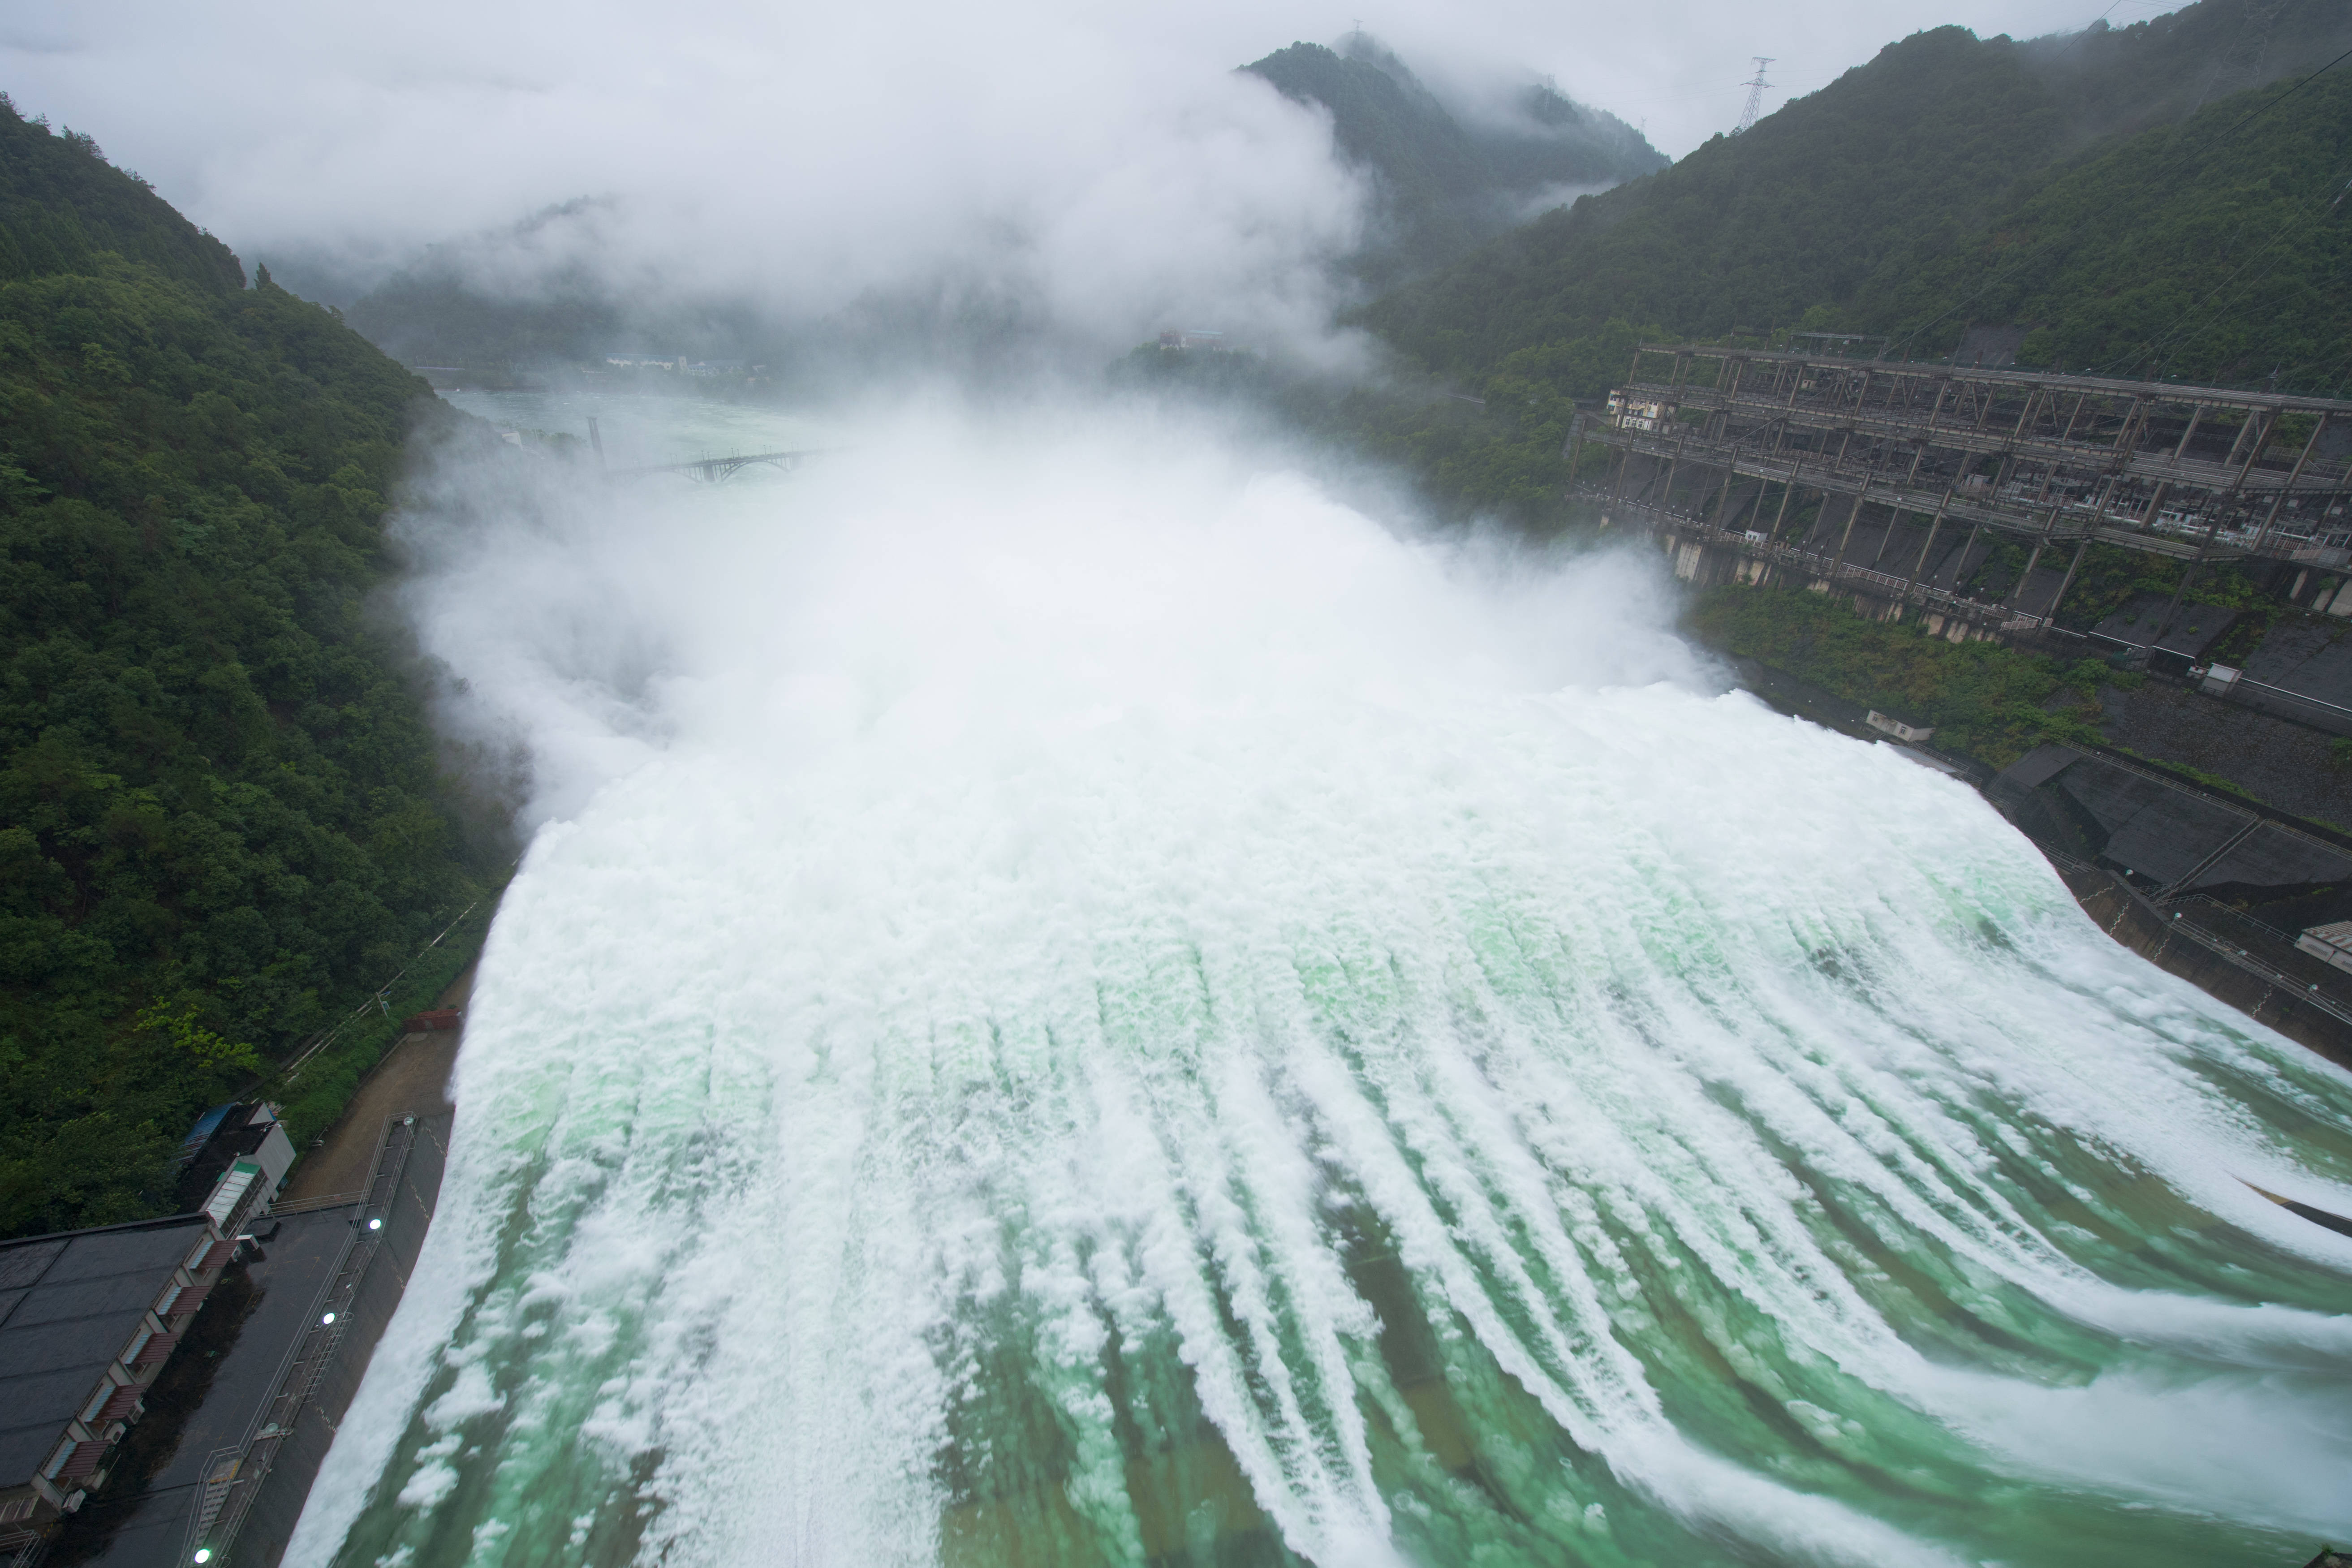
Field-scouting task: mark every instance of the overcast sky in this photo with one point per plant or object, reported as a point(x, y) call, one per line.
point(1104, 152)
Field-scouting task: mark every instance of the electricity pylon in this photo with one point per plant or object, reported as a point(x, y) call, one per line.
point(1755, 93)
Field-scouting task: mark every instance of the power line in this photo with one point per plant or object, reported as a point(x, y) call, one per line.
point(2290, 93)
point(1755, 93)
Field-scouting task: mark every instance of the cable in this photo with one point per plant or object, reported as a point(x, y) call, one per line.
point(2290, 93)
point(2161, 339)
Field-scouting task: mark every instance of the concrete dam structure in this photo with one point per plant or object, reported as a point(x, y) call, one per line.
point(1897, 473)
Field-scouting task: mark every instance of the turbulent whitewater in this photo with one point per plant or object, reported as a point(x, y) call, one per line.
point(1075, 1000)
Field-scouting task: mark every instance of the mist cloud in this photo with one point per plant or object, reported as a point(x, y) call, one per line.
point(1102, 169)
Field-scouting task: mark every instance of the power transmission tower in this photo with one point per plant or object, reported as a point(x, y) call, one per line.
point(1755, 93)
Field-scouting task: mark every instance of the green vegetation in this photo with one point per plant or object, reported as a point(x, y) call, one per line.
point(2112, 578)
point(1444, 186)
point(1831, 206)
point(318, 1090)
point(1985, 701)
point(222, 823)
point(2064, 188)
point(2215, 251)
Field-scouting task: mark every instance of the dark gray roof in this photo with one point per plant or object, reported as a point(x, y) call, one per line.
point(2152, 828)
point(23, 1262)
point(2038, 766)
point(2194, 627)
point(2313, 658)
point(2271, 857)
point(27, 1440)
point(68, 1305)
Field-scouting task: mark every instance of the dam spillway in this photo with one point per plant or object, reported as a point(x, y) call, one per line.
point(1087, 1003)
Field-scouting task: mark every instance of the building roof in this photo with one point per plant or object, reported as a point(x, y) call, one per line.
point(207, 1125)
point(221, 1137)
point(2195, 628)
point(2312, 658)
point(68, 1305)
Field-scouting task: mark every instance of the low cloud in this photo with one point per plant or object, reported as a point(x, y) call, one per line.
point(1107, 178)
point(1104, 172)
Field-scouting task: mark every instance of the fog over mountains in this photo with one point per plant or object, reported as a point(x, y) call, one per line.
point(1391, 180)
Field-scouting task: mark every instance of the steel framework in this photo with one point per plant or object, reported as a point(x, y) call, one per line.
point(1754, 86)
point(2200, 473)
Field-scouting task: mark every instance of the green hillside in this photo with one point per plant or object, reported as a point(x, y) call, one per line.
point(2072, 188)
point(428, 313)
point(58, 216)
point(1842, 195)
point(2219, 250)
point(221, 820)
point(1442, 186)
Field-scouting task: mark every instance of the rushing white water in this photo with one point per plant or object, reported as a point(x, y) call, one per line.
point(1080, 1002)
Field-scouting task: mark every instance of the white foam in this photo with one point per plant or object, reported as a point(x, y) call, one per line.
point(1004, 895)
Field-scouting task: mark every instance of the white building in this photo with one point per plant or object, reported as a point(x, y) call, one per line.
point(1637, 413)
point(2331, 942)
point(1901, 729)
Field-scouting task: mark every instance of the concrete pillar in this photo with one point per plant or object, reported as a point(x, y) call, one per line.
point(1960, 575)
point(2196, 416)
point(1894, 522)
point(2018, 590)
point(2067, 581)
point(2293, 474)
point(1851, 512)
point(1921, 564)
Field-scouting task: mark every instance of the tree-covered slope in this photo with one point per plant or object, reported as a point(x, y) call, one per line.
point(1897, 164)
point(430, 312)
point(1444, 183)
point(2218, 250)
point(221, 821)
point(57, 214)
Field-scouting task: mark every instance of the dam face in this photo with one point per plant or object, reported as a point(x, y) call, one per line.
point(1074, 1000)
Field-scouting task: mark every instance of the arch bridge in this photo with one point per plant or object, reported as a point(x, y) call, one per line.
point(713, 470)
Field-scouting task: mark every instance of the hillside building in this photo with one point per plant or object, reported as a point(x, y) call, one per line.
point(2331, 942)
point(1629, 413)
point(90, 1318)
point(1901, 727)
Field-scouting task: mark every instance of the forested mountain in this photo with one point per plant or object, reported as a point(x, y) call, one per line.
point(1443, 183)
point(2219, 250)
point(2135, 200)
point(430, 312)
point(221, 819)
point(1837, 198)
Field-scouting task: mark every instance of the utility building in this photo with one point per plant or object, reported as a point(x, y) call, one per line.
point(88, 1318)
point(224, 1138)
